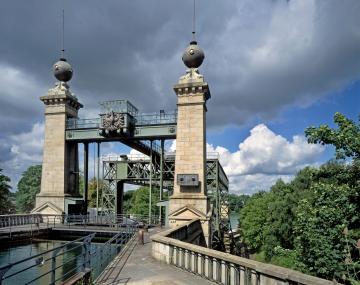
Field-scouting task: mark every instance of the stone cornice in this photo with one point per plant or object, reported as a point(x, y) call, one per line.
point(69, 100)
point(192, 88)
point(61, 95)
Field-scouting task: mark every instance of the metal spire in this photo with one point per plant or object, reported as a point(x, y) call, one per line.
point(194, 21)
point(63, 35)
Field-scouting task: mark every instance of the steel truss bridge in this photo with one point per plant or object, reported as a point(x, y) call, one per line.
point(142, 131)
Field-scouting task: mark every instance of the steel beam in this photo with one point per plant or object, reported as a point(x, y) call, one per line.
point(86, 175)
point(140, 133)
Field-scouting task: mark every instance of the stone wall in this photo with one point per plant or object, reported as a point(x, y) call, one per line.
point(172, 248)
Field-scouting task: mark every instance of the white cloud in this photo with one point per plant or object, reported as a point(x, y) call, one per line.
point(24, 149)
point(252, 183)
point(28, 146)
point(264, 157)
point(268, 153)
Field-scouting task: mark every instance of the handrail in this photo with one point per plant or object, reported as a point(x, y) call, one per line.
point(143, 157)
point(157, 118)
point(142, 119)
point(105, 253)
point(229, 269)
point(39, 260)
point(53, 220)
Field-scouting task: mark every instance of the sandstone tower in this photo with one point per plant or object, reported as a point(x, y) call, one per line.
point(59, 181)
point(189, 200)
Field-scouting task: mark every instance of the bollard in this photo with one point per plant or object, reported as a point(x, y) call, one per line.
point(141, 236)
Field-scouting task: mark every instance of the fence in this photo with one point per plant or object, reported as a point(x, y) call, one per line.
point(18, 220)
point(219, 267)
point(50, 260)
point(11, 221)
point(52, 263)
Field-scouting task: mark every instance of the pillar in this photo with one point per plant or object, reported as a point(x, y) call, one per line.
point(120, 198)
point(60, 158)
point(189, 199)
point(86, 177)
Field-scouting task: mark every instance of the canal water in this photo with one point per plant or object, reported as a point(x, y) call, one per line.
point(69, 261)
point(234, 220)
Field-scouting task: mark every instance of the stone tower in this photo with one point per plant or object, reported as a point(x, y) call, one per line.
point(59, 181)
point(189, 200)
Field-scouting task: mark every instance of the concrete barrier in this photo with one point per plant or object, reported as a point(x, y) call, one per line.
point(175, 247)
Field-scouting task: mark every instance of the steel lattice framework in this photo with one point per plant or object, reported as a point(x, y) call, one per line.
point(120, 121)
point(137, 171)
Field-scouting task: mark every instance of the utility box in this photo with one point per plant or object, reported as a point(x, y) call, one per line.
point(189, 180)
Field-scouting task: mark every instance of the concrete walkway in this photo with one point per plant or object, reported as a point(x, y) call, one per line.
point(138, 267)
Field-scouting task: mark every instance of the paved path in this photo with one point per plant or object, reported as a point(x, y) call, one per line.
point(136, 266)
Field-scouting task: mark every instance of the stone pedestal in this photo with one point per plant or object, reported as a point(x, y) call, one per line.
point(190, 202)
point(60, 171)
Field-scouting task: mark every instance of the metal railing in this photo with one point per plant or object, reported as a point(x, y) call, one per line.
point(143, 119)
point(143, 157)
point(158, 118)
point(24, 224)
point(112, 247)
point(52, 262)
point(18, 220)
point(75, 123)
point(42, 223)
point(118, 106)
point(108, 220)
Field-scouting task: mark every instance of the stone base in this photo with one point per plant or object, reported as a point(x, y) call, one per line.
point(52, 204)
point(199, 201)
point(186, 207)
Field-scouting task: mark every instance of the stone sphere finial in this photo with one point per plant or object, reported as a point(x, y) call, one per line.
point(193, 55)
point(63, 70)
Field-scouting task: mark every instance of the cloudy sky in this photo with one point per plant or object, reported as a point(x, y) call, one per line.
point(274, 67)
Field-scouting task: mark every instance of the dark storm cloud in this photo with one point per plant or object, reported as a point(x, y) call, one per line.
point(261, 56)
point(105, 42)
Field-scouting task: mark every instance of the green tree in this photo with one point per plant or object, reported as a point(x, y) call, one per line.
point(92, 191)
point(140, 202)
point(237, 202)
point(28, 186)
point(321, 230)
point(345, 139)
point(253, 220)
point(4, 193)
point(267, 220)
point(281, 211)
point(128, 196)
point(313, 222)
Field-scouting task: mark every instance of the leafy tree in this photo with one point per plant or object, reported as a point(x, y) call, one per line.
point(270, 219)
point(81, 183)
point(140, 201)
point(92, 191)
point(312, 224)
point(253, 220)
point(4, 193)
point(321, 224)
point(128, 196)
point(28, 187)
point(281, 211)
point(346, 138)
point(237, 202)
